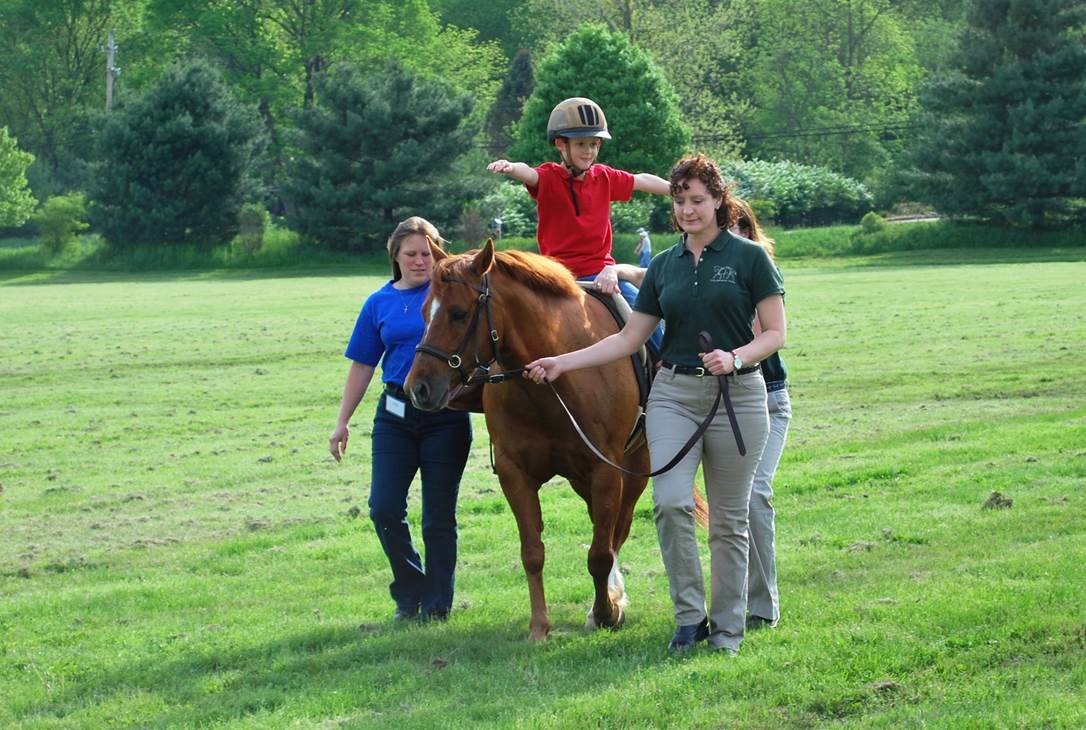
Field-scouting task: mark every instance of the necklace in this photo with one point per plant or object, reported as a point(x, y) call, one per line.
point(410, 296)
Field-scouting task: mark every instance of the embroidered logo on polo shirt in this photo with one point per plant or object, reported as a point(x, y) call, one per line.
point(723, 274)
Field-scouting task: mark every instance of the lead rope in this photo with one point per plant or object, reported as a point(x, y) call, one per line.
point(706, 343)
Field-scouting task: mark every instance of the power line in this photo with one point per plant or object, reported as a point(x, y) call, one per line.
point(837, 130)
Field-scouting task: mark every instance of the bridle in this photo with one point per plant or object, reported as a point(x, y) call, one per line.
point(455, 360)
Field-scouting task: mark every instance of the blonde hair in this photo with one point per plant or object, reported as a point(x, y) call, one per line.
point(407, 227)
point(745, 220)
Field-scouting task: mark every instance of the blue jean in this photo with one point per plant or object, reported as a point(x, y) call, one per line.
point(436, 444)
point(629, 293)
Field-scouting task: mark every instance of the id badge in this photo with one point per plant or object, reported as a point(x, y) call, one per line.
point(395, 406)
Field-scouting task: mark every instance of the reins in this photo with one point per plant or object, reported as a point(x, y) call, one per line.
point(706, 344)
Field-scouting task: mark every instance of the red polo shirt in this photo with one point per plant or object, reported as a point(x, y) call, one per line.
point(581, 242)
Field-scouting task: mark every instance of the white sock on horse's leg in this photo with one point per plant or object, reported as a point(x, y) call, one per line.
point(616, 591)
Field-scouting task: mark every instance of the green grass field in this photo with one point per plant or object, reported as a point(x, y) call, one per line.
point(177, 548)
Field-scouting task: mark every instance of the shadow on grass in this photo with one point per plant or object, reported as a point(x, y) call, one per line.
point(318, 673)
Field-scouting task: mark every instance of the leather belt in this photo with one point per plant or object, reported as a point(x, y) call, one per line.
point(702, 372)
point(396, 390)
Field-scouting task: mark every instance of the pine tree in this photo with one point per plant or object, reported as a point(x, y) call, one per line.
point(377, 147)
point(1004, 137)
point(175, 162)
point(508, 106)
point(648, 134)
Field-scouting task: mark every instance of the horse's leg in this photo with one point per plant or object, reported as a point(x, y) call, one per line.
point(632, 488)
point(523, 499)
point(607, 609)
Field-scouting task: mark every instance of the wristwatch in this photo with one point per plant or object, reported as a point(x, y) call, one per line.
point(737, 362)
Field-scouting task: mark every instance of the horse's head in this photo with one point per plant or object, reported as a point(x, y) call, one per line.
point(459, 340)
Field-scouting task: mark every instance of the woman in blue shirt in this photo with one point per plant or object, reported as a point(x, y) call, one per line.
point(406, 441)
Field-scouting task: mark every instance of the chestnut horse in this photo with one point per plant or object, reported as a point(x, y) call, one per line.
point(500, 311)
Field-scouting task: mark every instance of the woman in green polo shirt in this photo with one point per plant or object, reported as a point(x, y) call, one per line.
point(713, 281)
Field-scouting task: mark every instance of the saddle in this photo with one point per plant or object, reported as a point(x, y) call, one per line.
point(645, 360)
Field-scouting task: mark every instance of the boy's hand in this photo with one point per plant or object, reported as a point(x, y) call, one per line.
point(607, 280)
point(517, 170)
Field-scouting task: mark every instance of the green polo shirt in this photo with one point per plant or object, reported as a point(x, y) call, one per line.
point(718, 295)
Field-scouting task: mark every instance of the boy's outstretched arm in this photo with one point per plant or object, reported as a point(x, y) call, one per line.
point(646, 182)
point(518, 171)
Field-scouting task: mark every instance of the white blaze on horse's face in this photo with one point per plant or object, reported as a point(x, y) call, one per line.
point(435, 307)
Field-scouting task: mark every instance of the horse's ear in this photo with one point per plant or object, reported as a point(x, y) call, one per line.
point(484, 260)
point(436, 251)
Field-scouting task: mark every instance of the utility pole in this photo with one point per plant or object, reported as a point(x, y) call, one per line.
point(112, 71)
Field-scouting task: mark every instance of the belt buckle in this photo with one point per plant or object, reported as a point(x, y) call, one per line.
point(699, 372)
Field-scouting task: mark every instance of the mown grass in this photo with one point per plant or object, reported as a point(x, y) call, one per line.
point(178, 550)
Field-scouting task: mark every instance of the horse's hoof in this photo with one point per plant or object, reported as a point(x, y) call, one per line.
point(591, 624)
point(536, 635)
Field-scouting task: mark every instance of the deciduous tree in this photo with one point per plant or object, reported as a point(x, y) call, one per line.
point(16, 200)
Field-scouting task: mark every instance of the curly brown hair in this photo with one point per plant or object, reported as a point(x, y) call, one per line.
point(700, 167)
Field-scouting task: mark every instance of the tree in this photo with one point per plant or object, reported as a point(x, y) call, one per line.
point(491, 19)
point(175, 162)
point(377, 147)
point(16, 200)
point(1003, 134)
point(273, 52)
point(698, 44)
point(641, 107)
point(829, 81)
point(52, 71)
point(509, 105)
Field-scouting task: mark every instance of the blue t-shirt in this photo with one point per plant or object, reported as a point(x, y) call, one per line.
point(387, 330)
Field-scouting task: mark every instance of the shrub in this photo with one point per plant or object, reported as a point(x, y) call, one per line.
point(765, 210)
point(59, 219)
point(628, 217)
point(803, 194)
point(872, 222)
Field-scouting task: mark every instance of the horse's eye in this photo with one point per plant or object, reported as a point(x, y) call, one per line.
point(458, 315)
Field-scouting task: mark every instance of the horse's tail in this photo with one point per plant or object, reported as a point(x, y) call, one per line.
point(701, 507)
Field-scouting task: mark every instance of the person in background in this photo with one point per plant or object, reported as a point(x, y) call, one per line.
point(763, 601)
point(405, 440)
point(713, 281)
point(643, 249)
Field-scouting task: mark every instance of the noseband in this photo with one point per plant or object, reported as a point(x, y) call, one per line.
point(455, 360)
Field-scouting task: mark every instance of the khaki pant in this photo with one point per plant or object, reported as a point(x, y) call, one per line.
point(677, 405)
point(762, 598)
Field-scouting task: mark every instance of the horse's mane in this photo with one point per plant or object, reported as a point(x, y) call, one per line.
point(538, 273)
